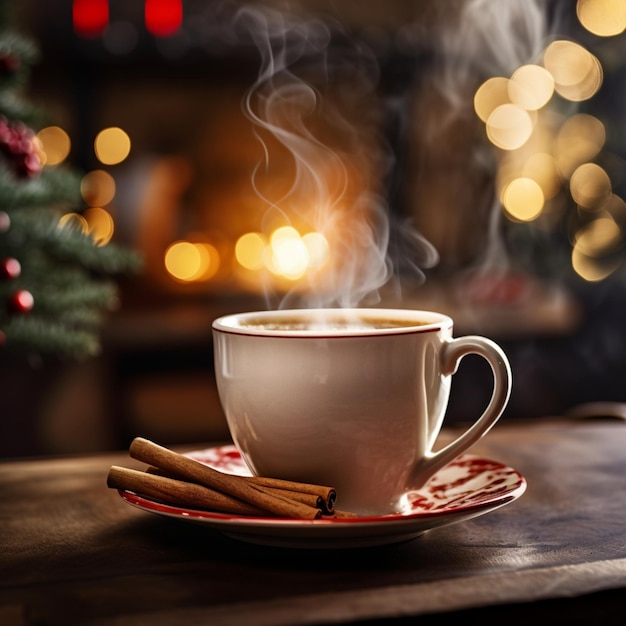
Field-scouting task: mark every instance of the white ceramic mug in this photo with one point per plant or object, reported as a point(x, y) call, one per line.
point(349, 398)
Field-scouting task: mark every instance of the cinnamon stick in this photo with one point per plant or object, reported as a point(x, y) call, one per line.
point(177, 492)
point(235, 486)
point(328, 495)
point(316, 496)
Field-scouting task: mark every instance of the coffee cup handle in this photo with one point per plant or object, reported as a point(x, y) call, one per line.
point(452, 353)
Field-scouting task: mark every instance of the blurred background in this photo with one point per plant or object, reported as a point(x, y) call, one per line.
point(465, 156)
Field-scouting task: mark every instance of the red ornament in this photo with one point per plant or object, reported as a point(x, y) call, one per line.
point(19, 147)
point(10, 268)
point(9, 64)
point(21, 301)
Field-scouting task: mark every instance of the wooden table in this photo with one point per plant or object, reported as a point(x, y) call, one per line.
point(72, 552)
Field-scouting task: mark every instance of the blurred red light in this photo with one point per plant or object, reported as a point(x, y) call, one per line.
point(90, 17)
point(163, 17)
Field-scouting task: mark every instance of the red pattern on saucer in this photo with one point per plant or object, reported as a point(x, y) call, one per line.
point(468, 487)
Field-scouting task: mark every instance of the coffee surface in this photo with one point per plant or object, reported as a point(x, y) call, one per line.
point(331, 323)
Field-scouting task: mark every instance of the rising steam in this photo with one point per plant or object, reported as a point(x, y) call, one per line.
point(317, 114)
point(492, 39)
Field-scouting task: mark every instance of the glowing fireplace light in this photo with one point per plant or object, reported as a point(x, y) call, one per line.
point(249, 251)
point(318, 249)
point(188, 262)
point(286, 254)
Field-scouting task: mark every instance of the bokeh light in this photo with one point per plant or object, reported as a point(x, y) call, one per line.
point(542, 168)
point(210, 263)
point(188, 261)
point(55, 143)
point(580, 139)
point(112, 146)
point(250, 251)
point(577, 73)
point(163, 17)
point(100, 225)
point(604, 18)
point(592, 269)
point(74, 221)
point(509, 127)
point(318, 249)
point(289, 255)
point(549, 148)
point(97, 188)
point(600, 237)
point(523, 199)
point(590, 186)
point(531, 87)
point(493, 93)
point(286, 254)
point(90, 17)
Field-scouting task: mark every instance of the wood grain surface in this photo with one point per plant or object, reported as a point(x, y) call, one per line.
point(72, 552)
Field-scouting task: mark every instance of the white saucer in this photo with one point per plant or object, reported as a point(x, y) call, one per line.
point(468, 487)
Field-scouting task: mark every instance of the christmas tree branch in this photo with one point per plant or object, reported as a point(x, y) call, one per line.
point(56, 187)
point(52, 337)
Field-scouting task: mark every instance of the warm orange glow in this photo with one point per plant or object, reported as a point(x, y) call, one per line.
point(592, 269)
point(250, 250)
point(604, 18)
point(590, 186)
point(599, 237)
point(112, 146)
point(55, 143)
point(183, 260)
point(542, 168)
point(210, 261)
point(580, 139)
point(577, 73)
point(289, 256)
point(100, 225)
point(509, 127)
point(490, 95)
point(97, 188)
point(191, 262)
point(523, 199)
point(74, 221)
point(531, 87)
point(318, 249)
point(286, 254)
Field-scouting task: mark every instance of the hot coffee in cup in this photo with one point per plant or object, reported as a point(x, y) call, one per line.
point(350, 398)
